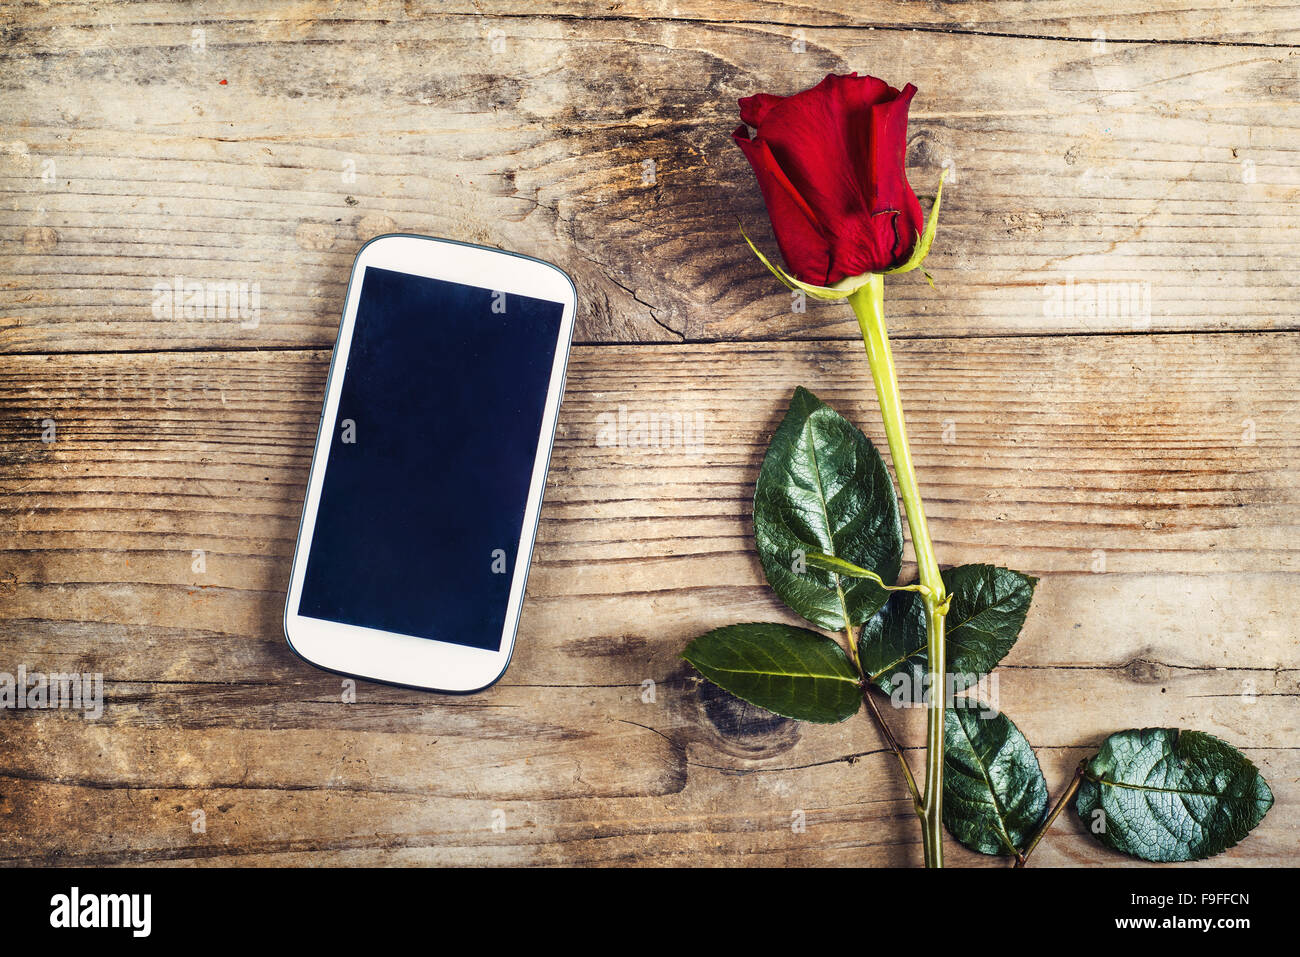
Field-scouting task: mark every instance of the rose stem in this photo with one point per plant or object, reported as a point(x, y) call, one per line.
point(1060, 805)
point(869, 306)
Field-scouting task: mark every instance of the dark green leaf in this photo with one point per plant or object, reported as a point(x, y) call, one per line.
point(994, 793)
point(891, 646)
point(988, 608)
point(1170, 795)
point(824, 488)
point(791, 671)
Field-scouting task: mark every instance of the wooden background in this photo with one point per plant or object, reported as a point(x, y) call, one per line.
point(1144, 465)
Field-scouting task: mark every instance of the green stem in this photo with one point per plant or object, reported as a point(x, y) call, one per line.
point(869, 305)
point(848, 570)
point(1072, 787)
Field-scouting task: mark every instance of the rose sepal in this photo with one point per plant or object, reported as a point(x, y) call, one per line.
point(841, 290)
point(848, 286)
point(924, 241)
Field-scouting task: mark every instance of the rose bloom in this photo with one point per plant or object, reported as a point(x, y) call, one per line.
point(829, 161)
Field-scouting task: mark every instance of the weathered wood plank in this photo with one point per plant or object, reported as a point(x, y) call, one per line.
point(1161, 175)
point(852, 809)
point(1176, 21)
point(1151, 481)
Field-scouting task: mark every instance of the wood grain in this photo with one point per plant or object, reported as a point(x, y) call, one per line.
point(1172, 21)
point(1168, 459)
point(1162, 174)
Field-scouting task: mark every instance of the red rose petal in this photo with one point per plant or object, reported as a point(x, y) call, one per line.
point(805, 248)
point(754, 108)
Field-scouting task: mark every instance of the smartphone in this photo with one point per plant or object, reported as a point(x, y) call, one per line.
point(426, 484)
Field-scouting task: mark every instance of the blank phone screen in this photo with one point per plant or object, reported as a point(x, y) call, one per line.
point(430, 459)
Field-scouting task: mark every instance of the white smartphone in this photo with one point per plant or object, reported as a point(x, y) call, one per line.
point(431, 459)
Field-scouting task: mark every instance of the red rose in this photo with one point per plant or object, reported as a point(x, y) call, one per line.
point(829, 161)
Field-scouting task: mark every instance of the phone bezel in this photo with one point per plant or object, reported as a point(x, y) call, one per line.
point(407, 660)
